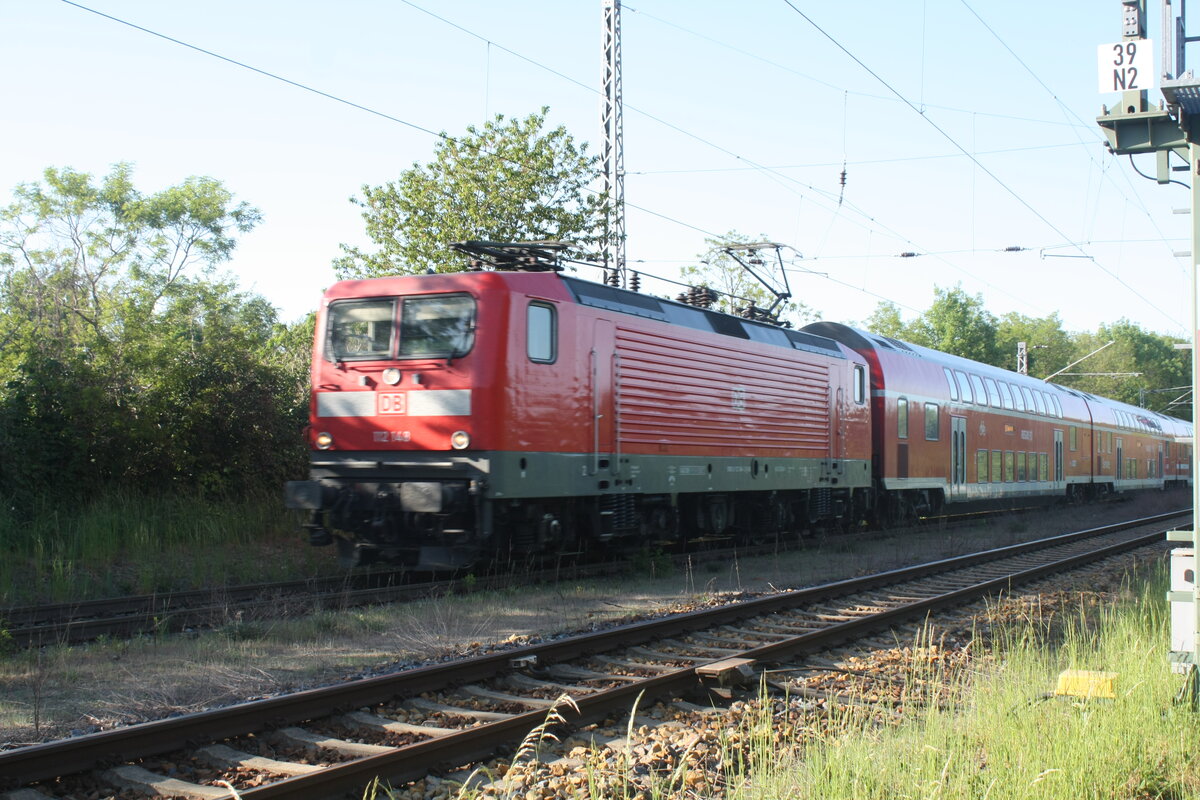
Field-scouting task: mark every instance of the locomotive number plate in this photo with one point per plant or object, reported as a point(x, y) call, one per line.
point(390, 402)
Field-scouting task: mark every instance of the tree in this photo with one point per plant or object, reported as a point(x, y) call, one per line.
point(1049, 347)
point(737, 288)
point(955, 323)
point(885, 320)
point(509, 181)
point(1134, 350)
point(125, 361)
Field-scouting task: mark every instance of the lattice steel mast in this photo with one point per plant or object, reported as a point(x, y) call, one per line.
point(614, 147)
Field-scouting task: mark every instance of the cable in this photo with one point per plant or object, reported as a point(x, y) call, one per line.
point(1151, 177)
point(806, 76)
point(264, 72)
point(987, 171)
point(1068, 111)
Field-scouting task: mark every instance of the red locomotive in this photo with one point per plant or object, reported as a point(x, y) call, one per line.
point(518, 411)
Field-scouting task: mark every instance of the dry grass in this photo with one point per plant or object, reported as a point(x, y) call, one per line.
point(55, 691)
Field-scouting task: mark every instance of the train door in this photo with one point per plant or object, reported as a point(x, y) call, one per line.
point(1119, 472)
point(603, 403)
point(1058, 456)
point(958, 457)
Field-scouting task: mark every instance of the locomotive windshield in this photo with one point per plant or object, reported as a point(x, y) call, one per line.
point(437, 326)
point(361, 330)
point(431, 326)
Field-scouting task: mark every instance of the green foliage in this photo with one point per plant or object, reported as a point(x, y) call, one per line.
point(1134, 350)
point(1049, 347)
point(125, 361)
point(955, 323)
point(735, 286)
point(509, 181)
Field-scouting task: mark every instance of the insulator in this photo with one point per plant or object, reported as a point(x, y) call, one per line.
point(635, 281)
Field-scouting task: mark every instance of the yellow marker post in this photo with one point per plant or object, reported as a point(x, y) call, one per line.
point(1087, 684)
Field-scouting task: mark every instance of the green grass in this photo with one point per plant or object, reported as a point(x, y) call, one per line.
point(1001, 738)
point(127, 544)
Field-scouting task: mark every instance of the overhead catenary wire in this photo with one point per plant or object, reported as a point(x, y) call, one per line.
point(446, 137)
point(1004, 185)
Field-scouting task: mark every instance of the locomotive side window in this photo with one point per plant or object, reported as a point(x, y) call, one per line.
point(360, 330)
point(541, 339)
point(951, 383)
point(860, 384)
point(437, 326)
point(931, 422)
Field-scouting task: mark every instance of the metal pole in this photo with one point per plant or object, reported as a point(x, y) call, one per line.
point(1194, 163)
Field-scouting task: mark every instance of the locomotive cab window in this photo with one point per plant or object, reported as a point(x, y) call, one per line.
point(541, 339)
point(860, 384)
point(931, 422)
point(360, 330)
point(437, 326)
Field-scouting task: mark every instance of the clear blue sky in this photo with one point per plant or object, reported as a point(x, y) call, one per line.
point(713, 91)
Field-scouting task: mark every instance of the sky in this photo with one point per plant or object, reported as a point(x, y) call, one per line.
point(964, 127)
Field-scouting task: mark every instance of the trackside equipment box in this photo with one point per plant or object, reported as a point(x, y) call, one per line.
point(1183, 612)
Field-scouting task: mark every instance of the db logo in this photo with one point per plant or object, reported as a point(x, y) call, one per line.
point(390, 402)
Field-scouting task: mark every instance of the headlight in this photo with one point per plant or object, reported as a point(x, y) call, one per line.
point(460, 440)
point(391, 376)
point(324, 441)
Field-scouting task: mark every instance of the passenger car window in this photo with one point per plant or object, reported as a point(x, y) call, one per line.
point(993, 392)
point(951, 383)
point(964, 385)
point(541, 340)
point(980, 393)
point(902, 418)
point(1018, 400)
point(1039, 402)
point(931, 422)
point(360, 330)
point(1006, 396)
point(1028, 395)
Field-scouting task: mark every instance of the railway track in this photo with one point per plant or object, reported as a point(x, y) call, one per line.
point(170, 612)
point(444, 718)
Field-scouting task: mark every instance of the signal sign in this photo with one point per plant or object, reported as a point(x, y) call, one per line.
point(1126, 66)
